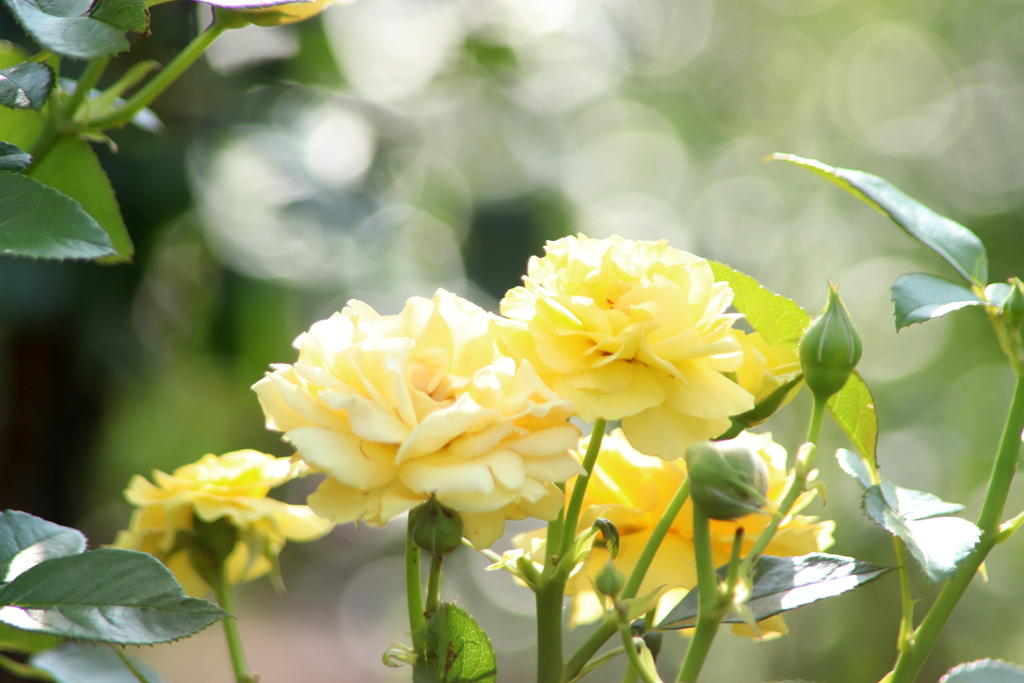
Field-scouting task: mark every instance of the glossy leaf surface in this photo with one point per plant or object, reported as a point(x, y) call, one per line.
point(40, 222)
point(960, 247)
point(782, 584)
point(74, 663)
point(13, 158)
point(106, 595)
point(920, 296)
point(985, 671)
point(27, 540)
point(26, 85)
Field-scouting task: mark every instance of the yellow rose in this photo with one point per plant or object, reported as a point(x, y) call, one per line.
point(276, 15)
point(632, 490)
point(232, 486)
point(635, 331)
point(395, 408)
point(765, 368)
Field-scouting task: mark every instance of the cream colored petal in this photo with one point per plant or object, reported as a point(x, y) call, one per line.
point(473, 444)
point(341, 456)
point(643, 392)
point(369, 420)
point(482, 528)
point(546, 442)
point(442, 426)
point(340, 503)
point(552, 468)
point(665, 433)
point(701, 392)
point(300, 523)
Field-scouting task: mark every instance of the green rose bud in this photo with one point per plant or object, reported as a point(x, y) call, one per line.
point(1013, 306)
point(830, 349)
point(610, 580)
point(727, 480)
point(436, 528)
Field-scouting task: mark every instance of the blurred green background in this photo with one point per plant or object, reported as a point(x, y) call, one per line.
point(391, 147)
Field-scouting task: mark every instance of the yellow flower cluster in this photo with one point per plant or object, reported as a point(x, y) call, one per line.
point(632, 490)
point(396, 408)
point(445, 399)
point(631, 331)
point(232, 486)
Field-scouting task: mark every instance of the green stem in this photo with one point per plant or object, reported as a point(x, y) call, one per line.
point(643, 563)
point(608, 627)
point(549, 631)
point(709, 611)
point(414, 594)
point(907, 619)
point(817, 415)
point(234, 640)
point(572, 511)
point(433, 586)
point(636, 665)
point(911, 660)
point(162, 80)
point(23, 670)
point(60, 115)
point(88, 80)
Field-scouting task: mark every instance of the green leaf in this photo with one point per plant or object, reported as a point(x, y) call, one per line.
point(852, 464)
point(74, 663)
point(960, 247)
point(781, 322)
point(854, 411)
point(985, 671)
point(920, 296)
point(26, 642)
point(26, 540)
point(40, 222)
point(938, 543)
point(64, 28)
point(13, 158)
point(782, 584)
point(106, 595)
point(72, 168)
point(124, 15)
point(26, 86)
point(458, 651)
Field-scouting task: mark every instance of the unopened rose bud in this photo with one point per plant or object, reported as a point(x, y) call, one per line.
point(436, 528)
point(1013, 306)
point(727, 480)
point(830, 349)
point(610, 580)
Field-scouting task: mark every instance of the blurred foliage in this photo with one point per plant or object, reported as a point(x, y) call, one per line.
point(391, 147)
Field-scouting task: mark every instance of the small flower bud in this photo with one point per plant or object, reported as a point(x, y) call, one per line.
point(435, 528)
point(1013, 306)
point(727, 480)
point(610, 580)
point(830, 349)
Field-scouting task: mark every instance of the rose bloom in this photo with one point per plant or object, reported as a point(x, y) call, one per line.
point(631, 331)
point(632, 490)
point(232, 486)
point(395, 408)
point(765, 368)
